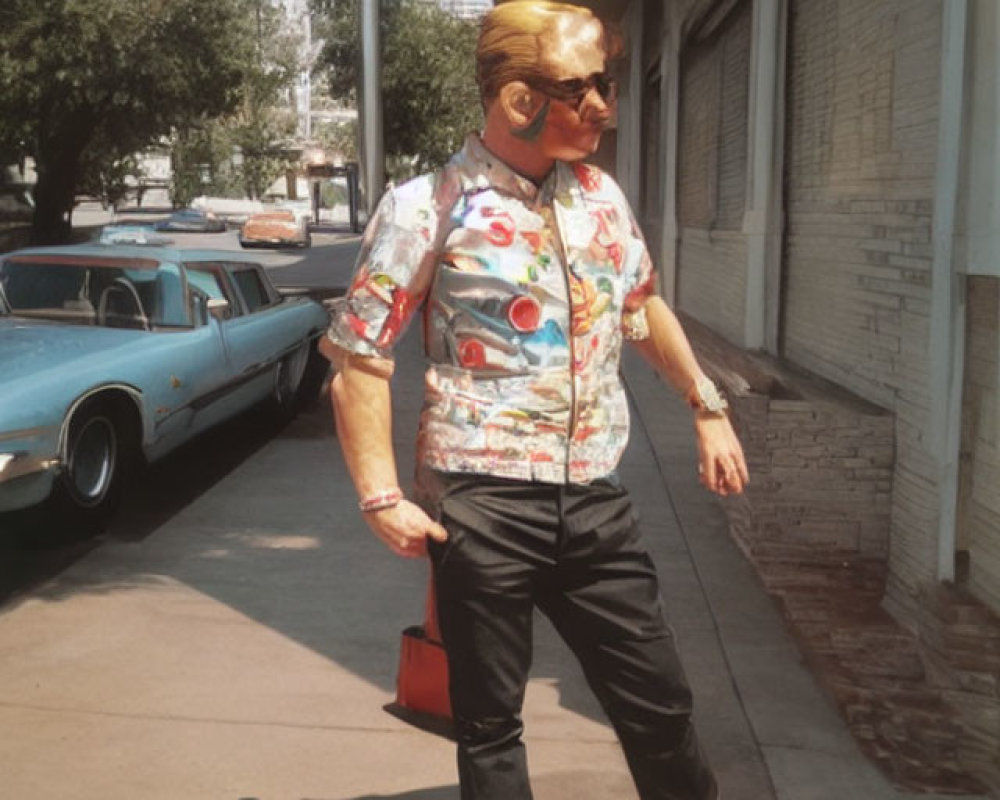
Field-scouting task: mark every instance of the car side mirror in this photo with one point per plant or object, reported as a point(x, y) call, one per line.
point(218, 307)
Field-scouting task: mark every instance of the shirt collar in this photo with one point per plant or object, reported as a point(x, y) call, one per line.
point(480, 169)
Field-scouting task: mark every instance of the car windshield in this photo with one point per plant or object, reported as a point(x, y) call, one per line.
point(79, 291)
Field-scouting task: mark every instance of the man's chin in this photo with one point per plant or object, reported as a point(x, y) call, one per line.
point(594, 142)
point(579, 150)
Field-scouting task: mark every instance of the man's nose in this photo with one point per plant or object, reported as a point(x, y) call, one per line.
point(596, 108)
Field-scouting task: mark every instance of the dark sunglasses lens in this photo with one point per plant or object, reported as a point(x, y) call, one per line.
point(605, 86)
point(572, 88)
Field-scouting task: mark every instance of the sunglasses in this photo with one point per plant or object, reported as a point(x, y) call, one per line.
point(573, 91)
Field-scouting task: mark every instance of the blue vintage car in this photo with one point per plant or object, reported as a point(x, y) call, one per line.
point(111, 353)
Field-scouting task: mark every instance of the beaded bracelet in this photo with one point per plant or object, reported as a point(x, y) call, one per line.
point(382, 499)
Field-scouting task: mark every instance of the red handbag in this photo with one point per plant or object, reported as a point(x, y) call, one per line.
point(422, 681)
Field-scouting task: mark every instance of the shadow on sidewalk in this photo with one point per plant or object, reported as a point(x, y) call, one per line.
point(433, 793)
point(579, 783)
point(262, 517)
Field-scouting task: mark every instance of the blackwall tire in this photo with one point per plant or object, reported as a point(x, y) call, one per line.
point(98, 455)
point(317, 370)
point(288, 375)
point(298, 379)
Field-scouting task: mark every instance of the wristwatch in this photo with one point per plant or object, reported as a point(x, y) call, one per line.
point(705, 396)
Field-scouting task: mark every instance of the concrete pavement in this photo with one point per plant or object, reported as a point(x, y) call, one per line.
point(245, 644)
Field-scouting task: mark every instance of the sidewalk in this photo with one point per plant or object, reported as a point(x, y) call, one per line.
point(760, 710)
point(245, 647)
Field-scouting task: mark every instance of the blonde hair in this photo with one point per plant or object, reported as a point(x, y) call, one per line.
point(510, 41)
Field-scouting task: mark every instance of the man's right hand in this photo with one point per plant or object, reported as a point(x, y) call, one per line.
point(405, 528)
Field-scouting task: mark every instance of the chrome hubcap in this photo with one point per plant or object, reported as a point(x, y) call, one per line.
point(92, 460)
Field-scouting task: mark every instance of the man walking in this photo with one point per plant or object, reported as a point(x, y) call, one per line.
point(527, 271)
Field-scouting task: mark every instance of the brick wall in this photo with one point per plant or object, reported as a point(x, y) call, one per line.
point(923, 701)
point(827, 477)
point(821, 460)
point(979, 503)
point(860, 165)
point(841, 519)
point(712, 279)
point(712, 167)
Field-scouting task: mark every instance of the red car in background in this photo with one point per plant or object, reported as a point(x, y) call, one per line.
point(278, 228)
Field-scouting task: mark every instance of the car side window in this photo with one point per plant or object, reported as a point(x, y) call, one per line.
point(209, 279)
point(252, 287)
point(171, 310)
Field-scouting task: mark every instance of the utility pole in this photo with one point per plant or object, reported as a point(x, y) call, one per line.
point(371, 145)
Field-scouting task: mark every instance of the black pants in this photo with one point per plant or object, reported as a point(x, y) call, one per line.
point(575, 552)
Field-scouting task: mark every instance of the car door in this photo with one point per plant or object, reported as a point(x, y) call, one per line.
point(227, 391)
point(185, 363)
point(264, 331)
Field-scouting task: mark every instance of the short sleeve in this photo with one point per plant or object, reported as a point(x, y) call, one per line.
point(640, 283)
point(392, 274)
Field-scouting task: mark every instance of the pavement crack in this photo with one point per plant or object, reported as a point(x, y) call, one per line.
point(183, 718)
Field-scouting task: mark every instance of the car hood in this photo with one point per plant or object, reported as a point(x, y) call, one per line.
point(31, 348)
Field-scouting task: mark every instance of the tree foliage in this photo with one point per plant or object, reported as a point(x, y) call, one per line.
point(86, 83)
point(241, 153)
point(429, 95)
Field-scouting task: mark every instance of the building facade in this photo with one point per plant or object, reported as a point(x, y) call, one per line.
point(819, 180)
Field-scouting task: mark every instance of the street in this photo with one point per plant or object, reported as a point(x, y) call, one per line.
point(326, 263)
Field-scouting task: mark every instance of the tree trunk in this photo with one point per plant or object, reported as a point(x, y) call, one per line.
point(57, 165)
point(52, 223)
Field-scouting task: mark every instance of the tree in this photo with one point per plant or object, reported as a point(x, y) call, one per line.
point(259, 123)
point(198, 155)
point(106, 175)
point(241, 153)
point(429, 93)
point(96, 80)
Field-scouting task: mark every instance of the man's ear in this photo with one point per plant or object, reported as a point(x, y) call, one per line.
point(520, 103)
point(525, 109)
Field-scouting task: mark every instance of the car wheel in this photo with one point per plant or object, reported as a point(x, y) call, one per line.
point(97, 453)
point(288, 377)
point(298, 378)
point(317, 369)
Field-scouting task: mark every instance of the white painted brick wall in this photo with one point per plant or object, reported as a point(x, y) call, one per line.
point(711, 284)
point(712, 176)
point(979, 503)
point(863, 115)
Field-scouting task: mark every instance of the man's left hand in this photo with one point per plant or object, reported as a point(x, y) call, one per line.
point(721, 466)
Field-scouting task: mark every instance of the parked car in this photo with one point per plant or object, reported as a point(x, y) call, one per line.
point(114, 353)
point(131, 234)
point(192, 220)
point(300, 207)
point(279, 228)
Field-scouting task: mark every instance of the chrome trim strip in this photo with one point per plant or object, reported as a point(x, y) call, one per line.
point(26, 433)
point(24, 463)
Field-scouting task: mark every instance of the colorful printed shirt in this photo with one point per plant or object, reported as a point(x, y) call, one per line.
point(526, 293)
